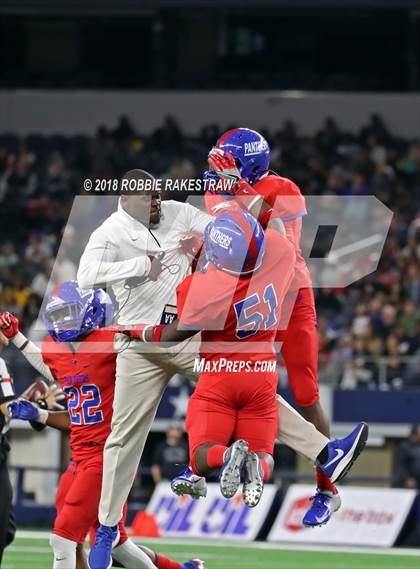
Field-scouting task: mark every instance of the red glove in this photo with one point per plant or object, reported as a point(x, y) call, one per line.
point(9, 325)
point(223, 163)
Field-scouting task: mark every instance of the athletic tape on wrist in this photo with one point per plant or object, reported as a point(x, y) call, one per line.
point(20, 341)
point(42, 416)
point(143, 334)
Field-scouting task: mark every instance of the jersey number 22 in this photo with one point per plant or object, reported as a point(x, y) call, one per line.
point(83, 403)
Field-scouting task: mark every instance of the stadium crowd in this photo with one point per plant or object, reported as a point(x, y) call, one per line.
point(369, 333)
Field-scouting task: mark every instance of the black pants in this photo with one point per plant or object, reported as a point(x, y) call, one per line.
point(7, 519)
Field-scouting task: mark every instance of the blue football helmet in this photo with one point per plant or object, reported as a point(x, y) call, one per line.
point(71, 312)
point(250, 151)
point(234, 242)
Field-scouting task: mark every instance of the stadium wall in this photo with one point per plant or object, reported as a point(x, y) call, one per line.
point(81, 111)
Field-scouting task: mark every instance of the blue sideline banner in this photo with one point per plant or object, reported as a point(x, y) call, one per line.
point(211, 518)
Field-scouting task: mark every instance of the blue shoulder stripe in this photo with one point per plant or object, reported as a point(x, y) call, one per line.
point(300, 214)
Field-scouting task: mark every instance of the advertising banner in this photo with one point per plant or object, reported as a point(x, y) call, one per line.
point(213, 517)
point(368, 516)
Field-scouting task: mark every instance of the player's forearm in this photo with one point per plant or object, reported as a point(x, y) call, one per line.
point(59, 420)
point(32, 354)
point(171, 333)
point(174, 332)
point(37, 414)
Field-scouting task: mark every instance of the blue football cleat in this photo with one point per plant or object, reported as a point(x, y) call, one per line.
point(233, 462)
point(343, 452)
point(194, 564)
point(100, 556)
point(189, 483)
point(253, 487)
point(324, 504)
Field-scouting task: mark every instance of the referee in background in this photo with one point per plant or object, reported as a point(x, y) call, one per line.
point(46, 397)
point(7, 520)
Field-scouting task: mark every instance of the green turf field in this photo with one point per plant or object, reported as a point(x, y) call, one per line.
point(34, 554)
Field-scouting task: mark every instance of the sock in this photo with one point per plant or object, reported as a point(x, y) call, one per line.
point(215, 456)
point(323, 455)
point(165, 563)
point(64, 552)
point(132, 557)
point(324, 483)
point(266, 470)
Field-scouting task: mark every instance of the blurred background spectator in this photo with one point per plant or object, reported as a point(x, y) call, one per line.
point(368, 333)
point(407, 461)
point(169, 455)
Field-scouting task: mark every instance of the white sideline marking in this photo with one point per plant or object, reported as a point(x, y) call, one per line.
point(248, 545)
point(28, 549)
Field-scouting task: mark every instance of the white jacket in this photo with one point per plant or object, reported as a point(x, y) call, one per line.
point(118, 250)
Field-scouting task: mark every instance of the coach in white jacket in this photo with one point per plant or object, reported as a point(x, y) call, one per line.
point(123, 254)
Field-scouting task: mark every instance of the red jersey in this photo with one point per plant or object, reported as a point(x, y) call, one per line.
point(239, 316)
point(87, 376)
point(285, 197)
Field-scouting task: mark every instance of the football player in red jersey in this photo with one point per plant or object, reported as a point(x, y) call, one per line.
point(235, 302)
point(241, 158)
point(235, 298)
point(79, 354)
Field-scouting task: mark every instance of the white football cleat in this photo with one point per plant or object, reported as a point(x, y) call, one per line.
point(188, 483)
point(253, 487)
point(233, 462)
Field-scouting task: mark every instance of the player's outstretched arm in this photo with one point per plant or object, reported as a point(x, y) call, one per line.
point(9, 326)
point(161, 333)
point(28, 411)
point(59, 420)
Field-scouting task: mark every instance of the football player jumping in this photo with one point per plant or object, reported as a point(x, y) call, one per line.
point(79, 354)
point(242, 156)
point(234, 299)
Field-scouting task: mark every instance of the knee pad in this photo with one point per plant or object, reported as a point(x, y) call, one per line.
point(64, 552)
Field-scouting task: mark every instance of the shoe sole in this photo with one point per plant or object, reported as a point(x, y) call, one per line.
point(254, 488)
point(183, 488)
point(230, 478)
point(313, 526)
point(318, 525)
point(345, 465)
